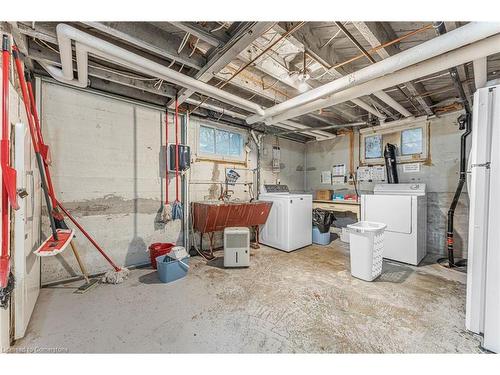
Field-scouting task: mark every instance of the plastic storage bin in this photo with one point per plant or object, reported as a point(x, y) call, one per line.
point(366, 241)
point(172, 269)
point(321, 238)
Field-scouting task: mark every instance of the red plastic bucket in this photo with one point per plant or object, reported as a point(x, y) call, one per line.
point(157, 249)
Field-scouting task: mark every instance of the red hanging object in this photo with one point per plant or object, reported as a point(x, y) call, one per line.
point(176, 149)
point(60, 238)
point(166, 158)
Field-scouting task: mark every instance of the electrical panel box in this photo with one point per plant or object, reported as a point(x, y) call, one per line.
point(184, 157)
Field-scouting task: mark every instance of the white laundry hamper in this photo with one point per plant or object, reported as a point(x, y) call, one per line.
point(366, 240)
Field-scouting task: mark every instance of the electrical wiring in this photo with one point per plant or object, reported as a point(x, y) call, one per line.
point(194, 47)
point(333, 37)
point(183, 42)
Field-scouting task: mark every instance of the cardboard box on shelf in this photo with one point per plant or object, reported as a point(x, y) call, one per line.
point(324, 195)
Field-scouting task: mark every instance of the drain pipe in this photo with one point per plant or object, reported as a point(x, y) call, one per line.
point(482, 48)
point(464, 122)
point(86, 43)
point(457, 38)
point(258, 142)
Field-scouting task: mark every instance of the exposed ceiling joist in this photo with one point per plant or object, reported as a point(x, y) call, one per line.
point(461, 68)
point(221, 57)
point(324, 55)
point(198, 32)
point(378, 33)
point(150, 38)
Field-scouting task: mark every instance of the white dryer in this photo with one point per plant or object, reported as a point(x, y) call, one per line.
point(289, 225)
point(403, 207)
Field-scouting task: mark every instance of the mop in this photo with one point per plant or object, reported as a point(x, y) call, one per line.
point(57, 242)
point(58, 218)
point(9, 194)
point(167, 207)
point(177, 205)
point(118, 274)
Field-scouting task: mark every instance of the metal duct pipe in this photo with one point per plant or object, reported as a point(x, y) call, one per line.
point(85, 44)
point(482, 48)
point(317, 133)
point(457, 38)
point(480, 72)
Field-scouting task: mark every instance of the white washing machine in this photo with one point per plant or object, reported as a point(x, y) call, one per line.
point(289, 225)
point(403, 207)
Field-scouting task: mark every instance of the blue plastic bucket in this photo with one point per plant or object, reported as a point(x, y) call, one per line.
point(172, 269)
point(320, 238)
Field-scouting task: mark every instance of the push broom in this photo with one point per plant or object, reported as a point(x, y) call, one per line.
point(60, 238)
point(58, 217)
point(177, 206)
point(118, 274)
point(9, 193)
point(167, 207)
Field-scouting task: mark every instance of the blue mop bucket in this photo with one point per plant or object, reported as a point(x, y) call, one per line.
point(171, 269)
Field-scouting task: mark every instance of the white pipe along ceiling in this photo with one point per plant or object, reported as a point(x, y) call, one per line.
point(457, 38)
point(318, 134)
point(477, 50)
point(85, 44)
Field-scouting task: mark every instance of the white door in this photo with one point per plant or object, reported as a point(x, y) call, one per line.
point(26, 232)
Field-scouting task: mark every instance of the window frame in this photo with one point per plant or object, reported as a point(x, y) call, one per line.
point(215, 156)
point(396, 133)
point(381, 146)
point(401, 141)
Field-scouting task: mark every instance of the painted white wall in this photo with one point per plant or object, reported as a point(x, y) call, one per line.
point(440, 175)
point(108, 171)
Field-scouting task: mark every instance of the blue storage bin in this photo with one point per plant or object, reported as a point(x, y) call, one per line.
point(171, 270)
point(321, 238)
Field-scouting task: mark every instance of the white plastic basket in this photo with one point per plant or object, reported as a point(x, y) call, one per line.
point(366, 240)
point(344, 235)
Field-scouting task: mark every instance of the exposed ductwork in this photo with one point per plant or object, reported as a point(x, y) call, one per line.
point(289, 125)
point(85, 44)
point(482, 48)
point(457, 38)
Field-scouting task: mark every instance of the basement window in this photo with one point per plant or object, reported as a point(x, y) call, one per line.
point(411, 141)
point(220, 143)
point(373, 147)
point(410, 138)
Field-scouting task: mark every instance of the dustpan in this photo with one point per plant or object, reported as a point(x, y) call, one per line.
point(52, 246)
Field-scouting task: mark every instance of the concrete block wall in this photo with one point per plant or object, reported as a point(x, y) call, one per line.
point(440, 175)
point(108, 171)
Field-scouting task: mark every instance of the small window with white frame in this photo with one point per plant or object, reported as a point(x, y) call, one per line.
point(220, 143)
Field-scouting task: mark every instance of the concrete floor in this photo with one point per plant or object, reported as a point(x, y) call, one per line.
point(304, 301)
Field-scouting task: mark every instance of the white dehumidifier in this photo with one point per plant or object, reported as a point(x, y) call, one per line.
point(236, 247)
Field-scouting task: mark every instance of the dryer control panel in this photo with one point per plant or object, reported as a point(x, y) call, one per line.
point(283, 189)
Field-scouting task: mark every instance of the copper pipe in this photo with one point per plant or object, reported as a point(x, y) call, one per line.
point(293, 29)
point(355, 42)
point(387, 44)
point(351, 152)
